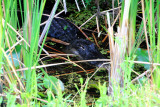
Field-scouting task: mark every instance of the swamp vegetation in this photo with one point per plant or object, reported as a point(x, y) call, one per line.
point(35, 71)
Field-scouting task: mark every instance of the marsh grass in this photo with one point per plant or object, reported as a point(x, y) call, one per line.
point(20, 53)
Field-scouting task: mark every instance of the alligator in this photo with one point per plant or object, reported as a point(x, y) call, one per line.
point(66, 31)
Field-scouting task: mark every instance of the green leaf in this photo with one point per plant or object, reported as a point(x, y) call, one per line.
point(41, 94)
point(142, 55)
point(65, 27)
point(104, 51)
point(53, 83)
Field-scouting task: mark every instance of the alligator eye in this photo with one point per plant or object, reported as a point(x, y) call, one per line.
point(82, 47)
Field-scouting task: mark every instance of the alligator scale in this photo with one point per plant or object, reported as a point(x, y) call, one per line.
point(66, 31)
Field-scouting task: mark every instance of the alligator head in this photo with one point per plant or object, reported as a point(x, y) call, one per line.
point(86, 50)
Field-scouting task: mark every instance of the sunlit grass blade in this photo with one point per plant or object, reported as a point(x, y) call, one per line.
point(132, 25)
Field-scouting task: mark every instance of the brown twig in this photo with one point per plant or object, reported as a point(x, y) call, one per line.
point(88, 71)
point(84, 34)
point(57, 40)
point(53, 48)
point(95, 40)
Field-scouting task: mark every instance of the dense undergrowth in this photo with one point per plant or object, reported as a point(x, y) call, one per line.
point(24, 76)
